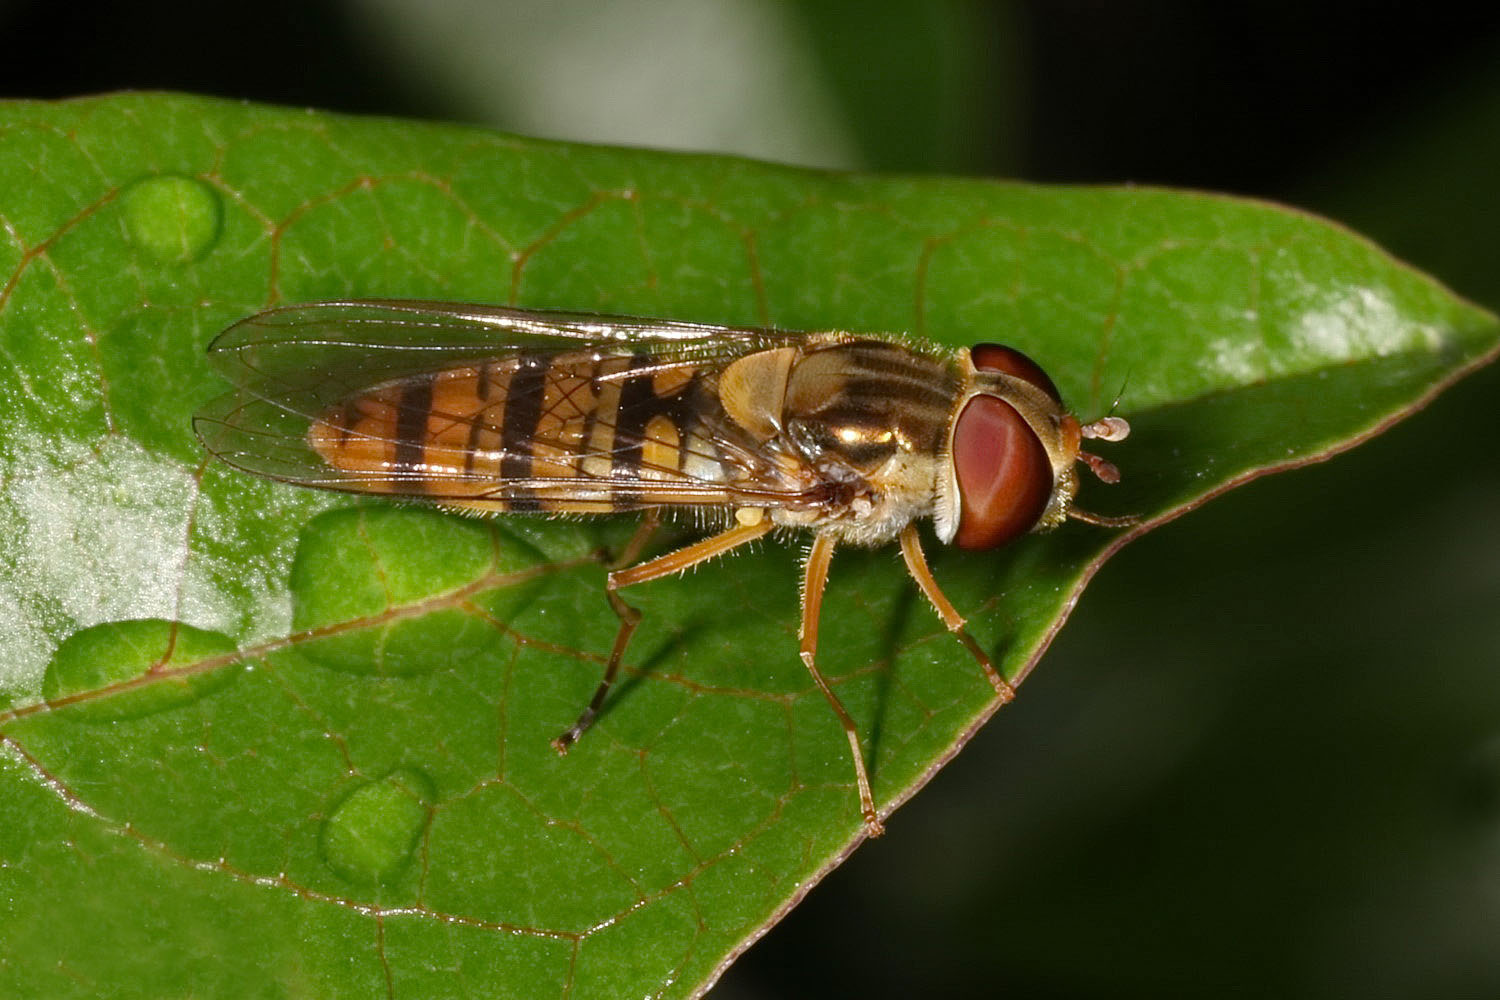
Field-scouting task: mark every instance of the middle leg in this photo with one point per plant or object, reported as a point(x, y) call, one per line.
point(815, 578)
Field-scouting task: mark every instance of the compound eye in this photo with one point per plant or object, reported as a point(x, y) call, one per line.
point(999, 358)
point(1004, 474)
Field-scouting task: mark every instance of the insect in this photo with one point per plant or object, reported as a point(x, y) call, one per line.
point(487, 408)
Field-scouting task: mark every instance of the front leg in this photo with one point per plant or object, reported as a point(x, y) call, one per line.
point(916, 565)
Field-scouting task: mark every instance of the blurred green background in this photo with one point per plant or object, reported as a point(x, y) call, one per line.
point(1264, 758)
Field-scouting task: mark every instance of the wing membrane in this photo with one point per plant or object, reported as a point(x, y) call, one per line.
point(291, 366)
point(310, 356)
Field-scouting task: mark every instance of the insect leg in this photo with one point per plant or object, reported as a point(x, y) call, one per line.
point(815, 577)
point(643, 532)
point(651, 569)
point(916, 565)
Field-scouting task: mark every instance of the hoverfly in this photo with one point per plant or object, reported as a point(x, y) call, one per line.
point(494, 409)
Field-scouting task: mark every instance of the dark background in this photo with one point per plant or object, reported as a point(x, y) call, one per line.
point(1264, 759)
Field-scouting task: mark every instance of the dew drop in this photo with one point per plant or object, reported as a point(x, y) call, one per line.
point(372, 832)
point(172, 219)
point(356, 568)
point(124, 670)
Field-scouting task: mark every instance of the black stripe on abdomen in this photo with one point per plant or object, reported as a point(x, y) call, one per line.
point(638, 404)
point(523, 411)
point(411, 435)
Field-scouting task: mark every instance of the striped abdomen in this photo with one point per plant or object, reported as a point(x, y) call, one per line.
point(531, 432)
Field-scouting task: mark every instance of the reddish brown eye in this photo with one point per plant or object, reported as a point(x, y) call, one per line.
point(999, 358)
point(1004, 475)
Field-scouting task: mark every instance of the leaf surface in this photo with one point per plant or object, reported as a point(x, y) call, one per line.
point(259, 734)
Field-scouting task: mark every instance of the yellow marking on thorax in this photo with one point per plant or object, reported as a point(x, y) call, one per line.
point(752, 390)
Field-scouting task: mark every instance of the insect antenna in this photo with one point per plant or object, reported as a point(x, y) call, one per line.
point(1104, 521)
point(1108, 428)
point(1104, 429)
point(1120, 394)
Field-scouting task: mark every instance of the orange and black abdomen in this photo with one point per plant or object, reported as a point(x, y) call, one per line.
point(530, 432)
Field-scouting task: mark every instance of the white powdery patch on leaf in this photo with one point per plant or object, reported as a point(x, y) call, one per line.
point(1240, 359)
point(1357, 322)
point(91, 535)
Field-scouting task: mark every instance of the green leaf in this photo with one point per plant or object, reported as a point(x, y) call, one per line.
point(261, 735)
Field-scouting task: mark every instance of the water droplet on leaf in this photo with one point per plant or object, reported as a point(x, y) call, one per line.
point(387, 588)
point(373, 831)
point(172, 219)
point(123, 670)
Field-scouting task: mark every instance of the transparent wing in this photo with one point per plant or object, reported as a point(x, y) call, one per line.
point(293, 365)
point(307, 357)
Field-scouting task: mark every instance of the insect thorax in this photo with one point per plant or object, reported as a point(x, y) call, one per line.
point(869, 418)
